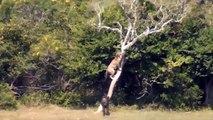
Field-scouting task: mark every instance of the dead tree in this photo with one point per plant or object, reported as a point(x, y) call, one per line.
point(139, 25)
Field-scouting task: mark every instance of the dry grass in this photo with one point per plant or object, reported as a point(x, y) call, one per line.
point(57, 113)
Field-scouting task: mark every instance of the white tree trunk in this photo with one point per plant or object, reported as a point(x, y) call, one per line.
point(112, 84)
point(111, 89)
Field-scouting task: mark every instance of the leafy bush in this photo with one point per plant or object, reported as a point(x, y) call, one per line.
point(32, 98)
point(7, 98)
point(67, 99)
point(181, 94)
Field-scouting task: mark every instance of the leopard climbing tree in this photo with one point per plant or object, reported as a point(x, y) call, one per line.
point(142, 18)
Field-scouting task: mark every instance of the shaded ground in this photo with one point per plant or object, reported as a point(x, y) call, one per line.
point(57, 113)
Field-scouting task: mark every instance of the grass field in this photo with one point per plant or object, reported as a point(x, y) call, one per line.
point(57, 113)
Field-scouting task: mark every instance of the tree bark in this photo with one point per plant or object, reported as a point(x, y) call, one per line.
point(111, 88)
point(113, 83)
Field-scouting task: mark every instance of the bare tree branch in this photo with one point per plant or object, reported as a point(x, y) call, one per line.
point(99, 10)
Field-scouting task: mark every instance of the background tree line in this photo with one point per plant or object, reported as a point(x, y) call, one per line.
point(51, 53)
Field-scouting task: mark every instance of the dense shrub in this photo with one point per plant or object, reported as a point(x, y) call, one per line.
point(34, 98)
point(67, 99)
point(7, 98)
point(181, 96)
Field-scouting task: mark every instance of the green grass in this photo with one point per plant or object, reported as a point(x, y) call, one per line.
point(58, 113)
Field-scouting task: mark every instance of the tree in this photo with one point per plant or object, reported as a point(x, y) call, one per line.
point(141, 18)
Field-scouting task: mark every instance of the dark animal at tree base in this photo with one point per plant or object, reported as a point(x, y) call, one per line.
point(113, 66)
point(105, 105)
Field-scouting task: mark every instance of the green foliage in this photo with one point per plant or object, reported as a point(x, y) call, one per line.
point(116, 15)
point(6, 10)
point(202, 63)
point(67, 99)
point(170, 59)
point(32, 98)
point(7, 98)
point(54, 43)
point(180, 92)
